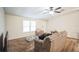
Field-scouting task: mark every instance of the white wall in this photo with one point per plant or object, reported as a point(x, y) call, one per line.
point(68, 22)
point(2, 21)
point(15, 27)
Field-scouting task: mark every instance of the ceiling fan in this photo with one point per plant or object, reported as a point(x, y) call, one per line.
point(52, 10)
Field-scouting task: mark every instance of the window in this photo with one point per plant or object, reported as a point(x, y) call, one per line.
point(29, 25)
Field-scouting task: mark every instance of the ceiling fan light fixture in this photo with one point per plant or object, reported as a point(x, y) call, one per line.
point(51, 12)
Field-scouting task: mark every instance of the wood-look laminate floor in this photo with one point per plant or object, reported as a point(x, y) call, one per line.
point(22, 45)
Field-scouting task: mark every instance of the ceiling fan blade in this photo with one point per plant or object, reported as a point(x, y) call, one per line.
point(59, 11)
point(58, 8)
point(41, 11)
point(45, 12)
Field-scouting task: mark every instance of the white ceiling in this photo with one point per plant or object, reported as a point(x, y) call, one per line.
point(34, 12)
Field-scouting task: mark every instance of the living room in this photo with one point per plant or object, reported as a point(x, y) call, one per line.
point(22, 22)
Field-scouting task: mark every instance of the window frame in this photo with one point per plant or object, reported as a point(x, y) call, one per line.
point(30, 26)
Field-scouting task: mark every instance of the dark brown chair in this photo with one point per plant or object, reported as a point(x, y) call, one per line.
point(38, 45)
point(1, 42)
point(42, 45)
point(5, 42)
point(47, 45)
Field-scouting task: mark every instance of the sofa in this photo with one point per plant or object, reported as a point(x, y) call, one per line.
point(57, 42)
